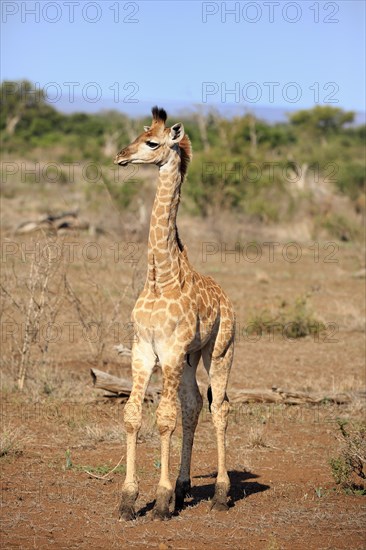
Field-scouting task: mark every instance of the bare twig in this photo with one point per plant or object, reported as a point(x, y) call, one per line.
point(108, 473)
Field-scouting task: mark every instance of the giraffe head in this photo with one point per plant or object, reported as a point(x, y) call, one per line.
point(157, 143)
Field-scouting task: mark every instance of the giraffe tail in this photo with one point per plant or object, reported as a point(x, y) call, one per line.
point(209, 397)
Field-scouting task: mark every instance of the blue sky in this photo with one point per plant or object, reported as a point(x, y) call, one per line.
point(313, 52)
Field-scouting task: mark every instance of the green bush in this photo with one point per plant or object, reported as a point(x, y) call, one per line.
point(292, 320)
point(341, 227)
point(122, 194)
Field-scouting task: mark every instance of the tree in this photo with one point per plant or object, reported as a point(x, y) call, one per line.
point(322, 121)
point(24, 109)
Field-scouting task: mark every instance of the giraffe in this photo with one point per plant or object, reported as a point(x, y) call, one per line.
point(179, 317)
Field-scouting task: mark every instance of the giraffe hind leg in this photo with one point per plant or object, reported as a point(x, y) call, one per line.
point(191, 405)
point(218, 368)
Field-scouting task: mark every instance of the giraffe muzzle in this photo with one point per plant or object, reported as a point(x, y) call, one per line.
point(121, 162)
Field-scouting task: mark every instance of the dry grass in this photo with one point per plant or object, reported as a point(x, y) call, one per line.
point(48, 381)
point(149, 430)
point(346, 384)
point(12, 441)
point(351, 317)
point(60, 310)
point(98, 434)
point(256, 438)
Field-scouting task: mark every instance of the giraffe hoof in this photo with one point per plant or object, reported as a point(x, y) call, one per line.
point(219, 506)
point(219, 501)
point(182, 489)
point(161, 515)
point(127, 507)
point(161, 509)
point(126, 513)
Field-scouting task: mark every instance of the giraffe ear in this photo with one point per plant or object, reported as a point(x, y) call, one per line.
point(177, 132)
point(147, 128)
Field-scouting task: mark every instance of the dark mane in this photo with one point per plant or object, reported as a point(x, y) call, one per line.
point(185, 150)
point(185, 155)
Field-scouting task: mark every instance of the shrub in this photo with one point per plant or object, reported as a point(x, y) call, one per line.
point(341, 227)
point(349, 467)
point(293, 320)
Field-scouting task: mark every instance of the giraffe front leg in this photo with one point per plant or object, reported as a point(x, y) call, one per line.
point(143, 361)
point(166, 417)
point(166, 420)
point(132, 419)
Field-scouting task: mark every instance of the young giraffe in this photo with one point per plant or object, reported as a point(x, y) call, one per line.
point(179, 317)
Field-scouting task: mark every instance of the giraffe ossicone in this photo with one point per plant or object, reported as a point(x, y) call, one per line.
point(179, 317)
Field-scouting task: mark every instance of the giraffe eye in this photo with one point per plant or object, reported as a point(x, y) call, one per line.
point(152, 144)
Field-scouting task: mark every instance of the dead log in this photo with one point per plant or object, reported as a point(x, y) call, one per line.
point(277, 395)
point(120, 386)
point(54, 223)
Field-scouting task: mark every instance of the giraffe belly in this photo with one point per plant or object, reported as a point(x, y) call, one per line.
point(182, 322)
point(165, 333)
point(204, 333)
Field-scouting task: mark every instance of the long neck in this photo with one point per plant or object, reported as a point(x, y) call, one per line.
point(164, 244)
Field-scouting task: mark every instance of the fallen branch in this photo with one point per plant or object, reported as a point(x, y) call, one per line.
point(119, 386)
point(277, 395)
point(105, 477)
point(53, 223)
point(122, 387)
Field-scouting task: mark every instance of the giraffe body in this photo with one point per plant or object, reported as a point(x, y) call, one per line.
point(179, 317)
